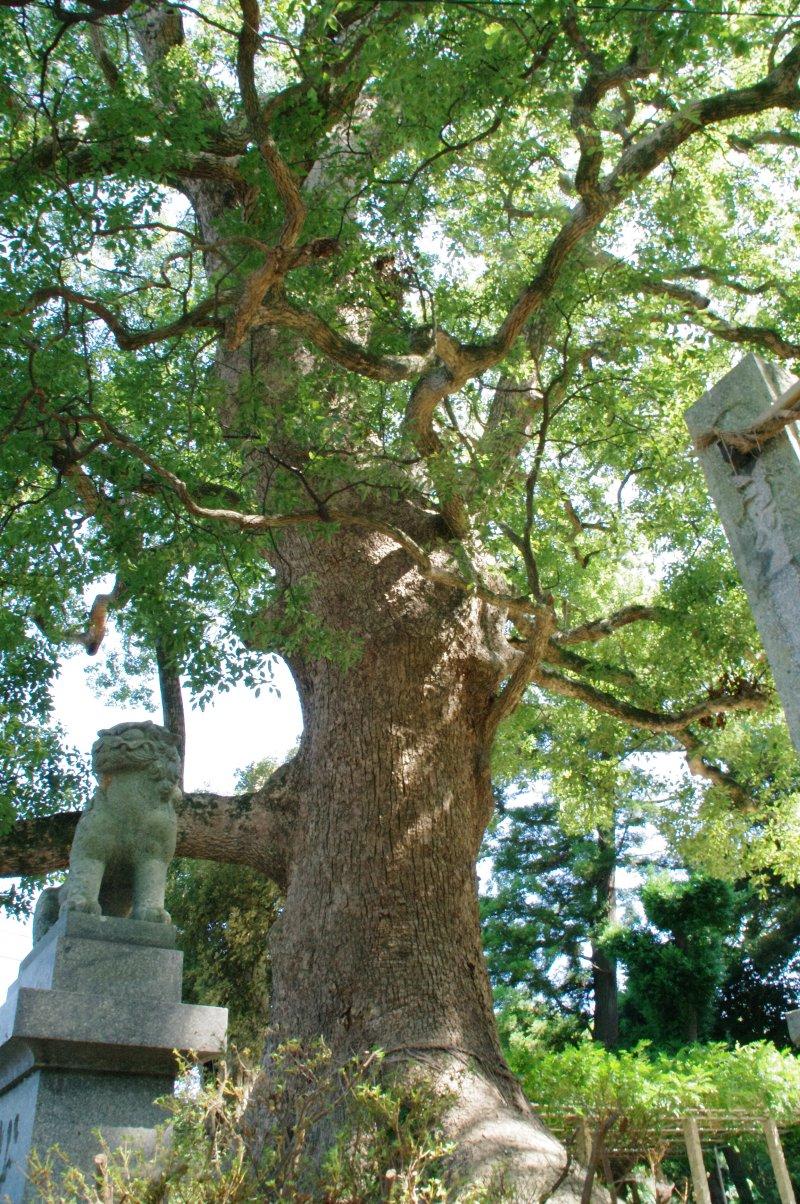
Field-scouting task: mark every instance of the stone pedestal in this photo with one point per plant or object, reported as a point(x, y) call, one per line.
point(87, 1041)
point(758, 499)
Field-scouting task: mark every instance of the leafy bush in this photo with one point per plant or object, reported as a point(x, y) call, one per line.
point(647, 1090)
point(389, 1147)
point(651, 1087)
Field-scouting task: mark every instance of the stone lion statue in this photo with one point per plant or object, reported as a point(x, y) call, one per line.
point(125, 838)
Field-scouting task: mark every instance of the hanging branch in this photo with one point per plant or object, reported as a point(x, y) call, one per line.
point(96, 627)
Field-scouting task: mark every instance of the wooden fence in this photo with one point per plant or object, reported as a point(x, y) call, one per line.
point(611, 1145)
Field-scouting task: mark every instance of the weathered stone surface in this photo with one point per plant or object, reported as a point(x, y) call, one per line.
point(81, 953)
point(758, 500)
point(87, 1038)
point(125, 838)
point(67, 1108)
point(793, 1021)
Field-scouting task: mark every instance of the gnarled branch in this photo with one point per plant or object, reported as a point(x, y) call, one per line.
point(203, 315)
point(751, 699)
point(598, 629)
point(641, 157)
point(252, 829)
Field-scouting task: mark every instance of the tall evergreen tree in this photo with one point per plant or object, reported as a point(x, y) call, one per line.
point(539, 910)
point(675, 960)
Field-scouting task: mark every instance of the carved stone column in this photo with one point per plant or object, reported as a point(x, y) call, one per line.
point(758, 500)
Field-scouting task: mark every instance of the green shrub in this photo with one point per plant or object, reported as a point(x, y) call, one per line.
point(389, 1145)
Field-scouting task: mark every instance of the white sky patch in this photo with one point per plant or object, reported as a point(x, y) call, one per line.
point(236, 730)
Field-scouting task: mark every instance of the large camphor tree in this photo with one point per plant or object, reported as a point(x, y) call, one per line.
point(360, 332)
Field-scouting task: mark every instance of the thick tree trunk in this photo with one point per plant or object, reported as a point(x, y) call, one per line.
point(379, 943)
point(604, 968)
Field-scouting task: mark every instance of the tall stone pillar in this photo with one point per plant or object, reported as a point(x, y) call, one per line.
point(86, 1042)
point(757, 496)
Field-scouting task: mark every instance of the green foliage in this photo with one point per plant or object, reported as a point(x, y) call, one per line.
point(455, 175)
point(389, 1146)
point(650, 1088)
point(223, 914)
point(547, 899)
point(675, 962)
point(762, 979)
point(39, 771)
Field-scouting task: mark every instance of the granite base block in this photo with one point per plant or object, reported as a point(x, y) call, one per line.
point(87, 1043)
point(78, 1112)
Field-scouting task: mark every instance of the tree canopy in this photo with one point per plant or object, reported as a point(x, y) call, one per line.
point(502, 248)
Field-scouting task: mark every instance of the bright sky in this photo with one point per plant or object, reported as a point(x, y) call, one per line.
point(228, 736)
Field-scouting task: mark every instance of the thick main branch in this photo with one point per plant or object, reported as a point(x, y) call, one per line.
point(250, 829)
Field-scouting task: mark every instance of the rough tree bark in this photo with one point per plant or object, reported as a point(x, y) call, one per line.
point(379, 942)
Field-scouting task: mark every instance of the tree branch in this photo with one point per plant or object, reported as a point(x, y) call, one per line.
point(515, 607)
point(766, 138)
point(747, 699)
point(556, 654)
point(783, 413)
point(346, 352)
point(273, 270)
point(75, 158)
point(600, 81)
point(703, 768)
point(699, 305)
point(202, 316)
point(511, 694)
point(598, 629)
point(778, 89)
point(251, 829)
point(95, 631)
point(694, 302)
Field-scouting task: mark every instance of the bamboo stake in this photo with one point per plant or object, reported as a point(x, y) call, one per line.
point(694, 1149)
point(778, 1161)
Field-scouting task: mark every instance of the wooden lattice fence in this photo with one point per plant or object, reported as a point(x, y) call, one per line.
point(612, 1145)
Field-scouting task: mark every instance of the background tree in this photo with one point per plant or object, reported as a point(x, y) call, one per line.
point(552, 893)
point(551, 898)
point(361, 332)
point(676, 960)
point(762, 979)
point(538, 911)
